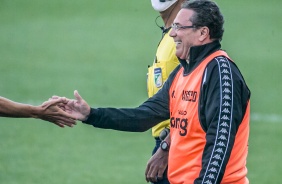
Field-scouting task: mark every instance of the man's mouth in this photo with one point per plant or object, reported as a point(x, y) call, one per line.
point(177, 42)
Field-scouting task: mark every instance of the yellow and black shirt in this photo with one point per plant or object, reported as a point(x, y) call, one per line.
point(164, 63)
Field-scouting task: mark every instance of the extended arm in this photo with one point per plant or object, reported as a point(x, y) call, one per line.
point(9, 108)
point(48, 111)
point(150, 113)
point(138, 119)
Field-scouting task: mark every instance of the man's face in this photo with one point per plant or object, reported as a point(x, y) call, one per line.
point(184, 38)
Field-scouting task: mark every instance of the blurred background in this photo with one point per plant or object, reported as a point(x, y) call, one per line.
point(102, 49)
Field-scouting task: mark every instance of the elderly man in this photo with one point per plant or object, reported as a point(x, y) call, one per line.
point(205, 98)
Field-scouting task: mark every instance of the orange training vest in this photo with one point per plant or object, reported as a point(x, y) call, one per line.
point(187, 136)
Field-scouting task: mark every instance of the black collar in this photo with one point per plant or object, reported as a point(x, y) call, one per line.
point(197, 55)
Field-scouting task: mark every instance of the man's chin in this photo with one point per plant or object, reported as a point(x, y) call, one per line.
point(181, 57)
point(178, 55)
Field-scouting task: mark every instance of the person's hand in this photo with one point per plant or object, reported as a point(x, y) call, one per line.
point(156, 166)
point(50, 111)
point(77, 108)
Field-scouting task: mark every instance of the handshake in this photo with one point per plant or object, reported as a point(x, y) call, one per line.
point(58, 110)
point(63, 111)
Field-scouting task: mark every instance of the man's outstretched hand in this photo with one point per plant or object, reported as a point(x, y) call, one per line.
point(77, 108)
point(51, 111)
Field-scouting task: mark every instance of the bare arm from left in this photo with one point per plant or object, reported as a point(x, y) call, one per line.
point(48, 111)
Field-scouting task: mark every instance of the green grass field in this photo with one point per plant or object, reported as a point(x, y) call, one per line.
point(102, 49)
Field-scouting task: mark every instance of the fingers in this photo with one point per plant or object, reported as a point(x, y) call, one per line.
point(77, 96)
point(156, 167)
point(54, 111)
point(160, 175)
point(62, 124)
point(146, 172)
point(61, 121)
point(151, 174)
point(59, 124)
point(66, 116)
point(55, 100)
point(58, 105)
point(63, 111)
point(59, 100)
point(55, 97)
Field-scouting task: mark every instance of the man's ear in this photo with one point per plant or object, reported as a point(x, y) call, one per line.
point(204, 33)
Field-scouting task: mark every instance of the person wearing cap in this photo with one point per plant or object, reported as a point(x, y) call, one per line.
point(206, 99)
point(164, 63)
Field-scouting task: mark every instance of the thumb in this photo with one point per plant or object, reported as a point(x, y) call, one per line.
point(77, 96)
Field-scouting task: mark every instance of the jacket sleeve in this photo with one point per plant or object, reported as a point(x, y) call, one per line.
point(139, 119)
point(223, 103)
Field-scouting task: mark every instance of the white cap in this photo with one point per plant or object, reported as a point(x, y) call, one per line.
point(162, 5)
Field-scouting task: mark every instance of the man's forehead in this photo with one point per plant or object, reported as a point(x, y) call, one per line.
point(183, 16)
